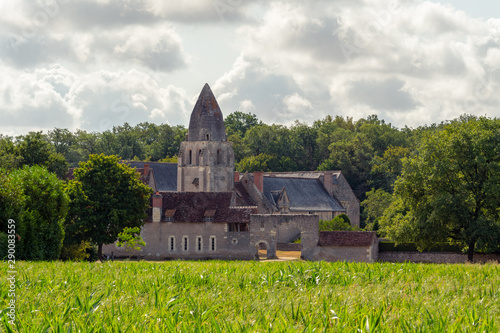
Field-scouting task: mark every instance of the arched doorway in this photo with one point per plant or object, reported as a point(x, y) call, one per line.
point(289, 244)
point(262, 250)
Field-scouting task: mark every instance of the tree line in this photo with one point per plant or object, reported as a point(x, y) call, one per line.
point(374, 156)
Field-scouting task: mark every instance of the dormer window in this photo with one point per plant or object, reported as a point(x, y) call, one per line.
point(169, 215)
point(209, 215)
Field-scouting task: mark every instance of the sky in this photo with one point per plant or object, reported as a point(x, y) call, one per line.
point(95, 64)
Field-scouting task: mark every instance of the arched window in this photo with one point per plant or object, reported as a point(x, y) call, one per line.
point(219, 157)
point(198, 158)
point(190, 157)
point(207, 136)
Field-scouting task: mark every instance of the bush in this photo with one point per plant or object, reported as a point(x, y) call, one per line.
point(338, 223)
point(76, 252)
point(404, 247)
point(40, 225)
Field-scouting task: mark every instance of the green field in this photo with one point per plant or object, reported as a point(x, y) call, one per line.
point(217, 296)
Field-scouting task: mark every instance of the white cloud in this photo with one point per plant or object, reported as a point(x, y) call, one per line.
point(411, 62)
point(98, 63)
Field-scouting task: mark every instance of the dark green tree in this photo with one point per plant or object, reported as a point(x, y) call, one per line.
point(10, 158)
point(450, 191)
point(374, 206)
point(39, 209)
point(107, 196)
point(35, 149)
point(338, 223)
point(239, 123)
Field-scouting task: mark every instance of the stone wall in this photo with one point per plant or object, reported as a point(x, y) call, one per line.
point(210, 168)
point(228, 245)
point(345, 253)
point(343, 192)
point(434, 257)
point(289, 247)
point(264, 229)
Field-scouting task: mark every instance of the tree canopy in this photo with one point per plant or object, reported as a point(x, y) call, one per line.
point(450, 191)
point(107, 196)
point(36, 200)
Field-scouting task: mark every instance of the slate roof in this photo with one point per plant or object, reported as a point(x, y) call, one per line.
point(195, 206)
point(206, 118)
point(305, 194)
point(346, 238)
point(242, 196)
point(165, 174)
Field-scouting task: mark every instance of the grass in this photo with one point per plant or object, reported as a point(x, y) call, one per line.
point(218, 296)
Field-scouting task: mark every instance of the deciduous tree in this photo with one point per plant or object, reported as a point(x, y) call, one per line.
point(450, 191)
point(107, 197)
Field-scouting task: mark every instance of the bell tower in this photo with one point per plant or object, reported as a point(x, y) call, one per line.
point(206, 159)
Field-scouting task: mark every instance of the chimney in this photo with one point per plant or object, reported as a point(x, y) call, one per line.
point(146, 169)
point(258, 179)
point(328, 182)
point(157, 206)
point(236, 176)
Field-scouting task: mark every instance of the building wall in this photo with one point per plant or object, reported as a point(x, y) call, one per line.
point(264, 228)
point(343, 192)
point(229, 245)
point(210, 162)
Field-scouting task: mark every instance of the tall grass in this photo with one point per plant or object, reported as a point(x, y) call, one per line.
point(217, 296)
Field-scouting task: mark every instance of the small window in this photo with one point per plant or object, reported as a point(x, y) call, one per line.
point(190, 157)
point(199, 243)
point(212, 244)
point(238, 227)
point(219, 159)
point(185, 243)
point(207, 136)
point(198, 158)
point(171, 243)
point(209, 215)
point(169, 215)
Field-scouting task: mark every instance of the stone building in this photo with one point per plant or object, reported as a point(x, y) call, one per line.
point(203, 209)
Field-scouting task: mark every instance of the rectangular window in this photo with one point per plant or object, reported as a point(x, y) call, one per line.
point(212, 244)
point(171, 243)
point(185, 243)
point(199, 243)
point(237, 227)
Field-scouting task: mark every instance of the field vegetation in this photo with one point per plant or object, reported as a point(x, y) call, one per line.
point(286, 296)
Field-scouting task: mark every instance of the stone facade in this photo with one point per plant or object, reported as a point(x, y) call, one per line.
point(205, 166)
point(207, 240)
point(264, 229)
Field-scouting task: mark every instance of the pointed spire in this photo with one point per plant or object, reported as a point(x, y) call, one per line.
point(206, 122)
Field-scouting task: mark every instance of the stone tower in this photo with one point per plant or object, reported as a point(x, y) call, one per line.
point(206, 159)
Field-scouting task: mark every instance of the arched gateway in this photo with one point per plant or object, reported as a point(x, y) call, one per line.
point(264, 229)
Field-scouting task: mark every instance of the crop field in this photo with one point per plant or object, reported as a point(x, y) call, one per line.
point(286, 296)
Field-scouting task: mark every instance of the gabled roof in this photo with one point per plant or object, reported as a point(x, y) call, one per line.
point(195, 206)
point(305, 194)
point(165, 174)
point(242, 196)
point(347, 238)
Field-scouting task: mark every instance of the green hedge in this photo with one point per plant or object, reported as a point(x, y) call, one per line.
point(402, 247)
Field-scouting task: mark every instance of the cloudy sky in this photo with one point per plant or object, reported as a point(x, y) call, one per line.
point(95, 64)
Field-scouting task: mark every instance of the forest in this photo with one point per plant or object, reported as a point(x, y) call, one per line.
point(368, 151)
